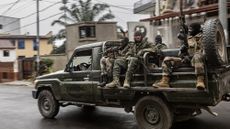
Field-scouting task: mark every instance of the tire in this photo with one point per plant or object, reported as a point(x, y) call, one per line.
point(47, 104)
point(153, 113)
point(214, 43)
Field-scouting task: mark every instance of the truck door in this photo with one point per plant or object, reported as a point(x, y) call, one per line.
point(77, 85)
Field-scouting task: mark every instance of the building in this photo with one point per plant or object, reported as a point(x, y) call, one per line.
point(25, 49)
point(8, 61)
point(26, 45)
point(87, 32)
point(167, 25)
point(9, 25)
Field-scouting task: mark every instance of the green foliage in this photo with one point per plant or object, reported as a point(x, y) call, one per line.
point(47, 62)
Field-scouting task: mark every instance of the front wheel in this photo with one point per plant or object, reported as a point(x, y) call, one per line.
point(153, 113)
point(47, 104)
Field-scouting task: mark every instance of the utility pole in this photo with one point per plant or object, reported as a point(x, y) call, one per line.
point(38, 40)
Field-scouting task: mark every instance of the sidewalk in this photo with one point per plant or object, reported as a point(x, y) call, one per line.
point(19, 83)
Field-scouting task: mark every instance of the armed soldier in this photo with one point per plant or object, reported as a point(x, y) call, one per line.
point(193, 55)
point(107, 61)
point(131, 61)
point(159, 44)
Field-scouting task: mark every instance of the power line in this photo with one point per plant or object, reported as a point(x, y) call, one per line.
point(124, 8)
point(7, 4)
point(11, 7)
point(34, 22)
point(32, 14)
point(24, 6)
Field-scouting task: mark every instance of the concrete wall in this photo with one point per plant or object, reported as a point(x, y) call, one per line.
point(60, 61)
point(8, 24)
point(103, 31)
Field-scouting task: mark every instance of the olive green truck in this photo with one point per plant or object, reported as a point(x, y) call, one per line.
point(154, 108)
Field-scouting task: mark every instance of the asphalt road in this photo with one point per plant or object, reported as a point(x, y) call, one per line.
point(19, 111)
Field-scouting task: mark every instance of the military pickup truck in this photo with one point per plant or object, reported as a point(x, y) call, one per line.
point(154, 108)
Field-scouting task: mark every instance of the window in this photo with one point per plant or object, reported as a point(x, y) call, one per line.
point(6, 53)
point(35, 45)
point(21, 44)
point(87, 32)
point(1, 26)
point(4, 75)
point(82, 61)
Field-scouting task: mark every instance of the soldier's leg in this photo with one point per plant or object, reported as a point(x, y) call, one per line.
point(167, 65)
point(198, 63)
point(103, 65)
point(103, 77)
point(118, 65)
point(132, 66)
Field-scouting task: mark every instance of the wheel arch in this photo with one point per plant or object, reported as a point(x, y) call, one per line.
point(53, 87)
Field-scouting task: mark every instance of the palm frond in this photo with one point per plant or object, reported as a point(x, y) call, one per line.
point(62, 23)
point(106, 17)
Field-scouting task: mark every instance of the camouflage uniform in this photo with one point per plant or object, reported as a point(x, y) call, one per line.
point(130, 62)
point(106, 63)
point(195, 51)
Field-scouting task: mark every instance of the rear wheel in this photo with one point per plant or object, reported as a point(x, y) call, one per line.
point(47, 104)
point(153, 113)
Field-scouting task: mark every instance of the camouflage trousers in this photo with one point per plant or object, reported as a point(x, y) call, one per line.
point(174, 62)
point(106, 64)
point(122, 64)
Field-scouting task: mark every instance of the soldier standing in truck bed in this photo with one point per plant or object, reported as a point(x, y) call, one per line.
point(195, 57)
point(131, 61)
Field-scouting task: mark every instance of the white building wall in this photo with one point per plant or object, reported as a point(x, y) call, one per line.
point(10, 25)
point(11, 58)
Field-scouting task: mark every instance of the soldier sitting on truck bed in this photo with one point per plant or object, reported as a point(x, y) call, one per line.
point(107, 61)
point(194, 57)
point(131, 60)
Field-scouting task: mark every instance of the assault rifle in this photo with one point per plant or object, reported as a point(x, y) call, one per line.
point(183, 34)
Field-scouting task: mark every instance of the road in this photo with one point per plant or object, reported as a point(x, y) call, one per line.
point(19, 111)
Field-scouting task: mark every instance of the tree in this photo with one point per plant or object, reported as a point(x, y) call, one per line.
point(83, 10)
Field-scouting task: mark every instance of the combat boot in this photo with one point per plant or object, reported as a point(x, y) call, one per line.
point(115, 83)
point(200, 83)
point(164, 83)
point(126, 83)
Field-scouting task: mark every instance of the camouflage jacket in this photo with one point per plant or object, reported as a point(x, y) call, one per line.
point(138, 49)
point(195, 44)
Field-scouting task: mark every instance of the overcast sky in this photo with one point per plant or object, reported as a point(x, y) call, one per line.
point(25, 7)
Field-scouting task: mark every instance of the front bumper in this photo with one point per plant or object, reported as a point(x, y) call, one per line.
point(35, 94)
